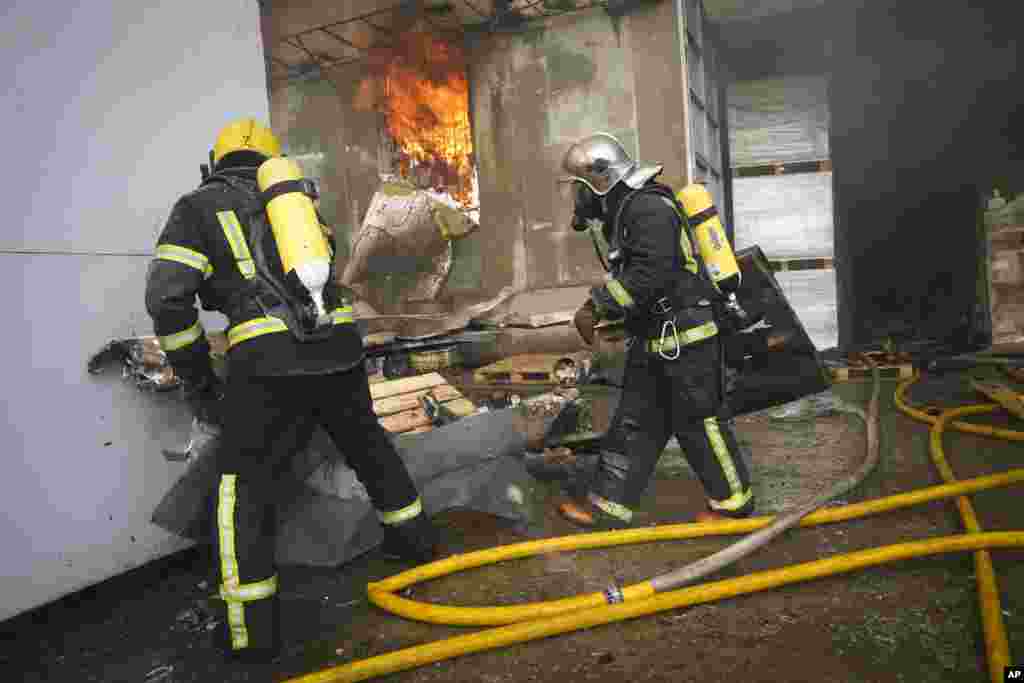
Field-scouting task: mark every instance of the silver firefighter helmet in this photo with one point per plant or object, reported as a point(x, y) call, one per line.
point(599, 161)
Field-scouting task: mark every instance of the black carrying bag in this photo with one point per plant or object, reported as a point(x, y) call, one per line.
point(762, 377)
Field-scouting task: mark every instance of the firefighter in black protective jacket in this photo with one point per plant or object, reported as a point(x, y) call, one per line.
point(673, 382)
point(277, 383)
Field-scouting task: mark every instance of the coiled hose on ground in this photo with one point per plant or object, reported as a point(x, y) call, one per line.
point(538, 620)
point(996, 645)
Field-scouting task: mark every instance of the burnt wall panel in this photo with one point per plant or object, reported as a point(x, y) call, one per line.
point(925, 121)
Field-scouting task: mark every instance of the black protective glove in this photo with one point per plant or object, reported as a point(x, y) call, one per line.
point(206, 399)
point(585, 319)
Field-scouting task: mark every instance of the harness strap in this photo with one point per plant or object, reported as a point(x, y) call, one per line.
point(258, 327)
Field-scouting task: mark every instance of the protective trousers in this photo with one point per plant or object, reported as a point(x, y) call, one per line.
point(265, 420)
point(664, 397)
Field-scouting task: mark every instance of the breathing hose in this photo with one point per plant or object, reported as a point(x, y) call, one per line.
point(538, 620)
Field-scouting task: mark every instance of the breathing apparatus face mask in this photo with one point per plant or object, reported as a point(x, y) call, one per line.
point(586, 207)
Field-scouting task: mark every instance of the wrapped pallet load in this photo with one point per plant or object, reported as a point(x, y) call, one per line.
point(403, 249)
point(1002, 269)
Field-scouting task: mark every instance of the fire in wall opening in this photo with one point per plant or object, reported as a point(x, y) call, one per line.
point(420, 87)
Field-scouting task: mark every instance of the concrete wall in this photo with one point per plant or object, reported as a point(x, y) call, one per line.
point(111, 107)
point(317, 117)
point(533, 95)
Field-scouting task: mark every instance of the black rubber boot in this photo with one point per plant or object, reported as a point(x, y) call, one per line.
point(710, 514)
point(585, 514)
point(268, 612)
point(414, 540)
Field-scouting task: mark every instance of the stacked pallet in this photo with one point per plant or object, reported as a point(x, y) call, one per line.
point(860, 365)
point(793, 264)
point(399, 403)
point(535, 368)
point(1003, 270)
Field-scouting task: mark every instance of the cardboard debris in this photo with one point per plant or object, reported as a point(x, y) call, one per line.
point(141, 361)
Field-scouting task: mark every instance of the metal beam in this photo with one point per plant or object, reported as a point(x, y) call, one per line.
point(473, 7)
point(361, 17)
point(381, 29)
point(298, 43)
point(334, 35)
point(295, 40)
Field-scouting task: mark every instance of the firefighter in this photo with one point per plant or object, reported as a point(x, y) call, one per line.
point(673, 383)
point(285, 372)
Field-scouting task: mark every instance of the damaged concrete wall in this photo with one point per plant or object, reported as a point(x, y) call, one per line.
point(113, 106)
point(532, 92)
point(317, 121)
point(537, 91)
point(320, 121)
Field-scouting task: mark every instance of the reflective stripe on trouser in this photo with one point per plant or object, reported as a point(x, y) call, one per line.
point(662, 398)
point(729, 461)
point(236, 594)
point(393, 517)
point(179, 340)
point(268, 325)
point(610, 507)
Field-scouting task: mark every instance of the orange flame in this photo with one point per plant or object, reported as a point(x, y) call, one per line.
point(420, 86)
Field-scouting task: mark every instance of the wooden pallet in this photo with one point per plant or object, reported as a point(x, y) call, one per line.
point(397, 402)
point(820, 166)
point(857, 373)
point(534, 368)
point(793, 264)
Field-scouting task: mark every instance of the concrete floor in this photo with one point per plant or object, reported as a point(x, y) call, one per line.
point(913, 621)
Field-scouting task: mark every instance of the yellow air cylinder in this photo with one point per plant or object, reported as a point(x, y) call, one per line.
point(300, 241)
point(710, 236)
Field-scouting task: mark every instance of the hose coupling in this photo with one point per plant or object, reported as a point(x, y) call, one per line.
point(613, 595)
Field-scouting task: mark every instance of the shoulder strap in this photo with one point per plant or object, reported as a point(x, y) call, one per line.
point(693, 263)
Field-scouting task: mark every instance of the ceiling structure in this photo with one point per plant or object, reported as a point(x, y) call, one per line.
point(307, 37)
point(343, 38)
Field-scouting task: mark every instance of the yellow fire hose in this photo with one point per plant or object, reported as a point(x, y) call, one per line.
point(543, 619)
point(996, 644)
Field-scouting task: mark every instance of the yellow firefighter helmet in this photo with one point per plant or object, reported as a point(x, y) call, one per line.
point(246, 134)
